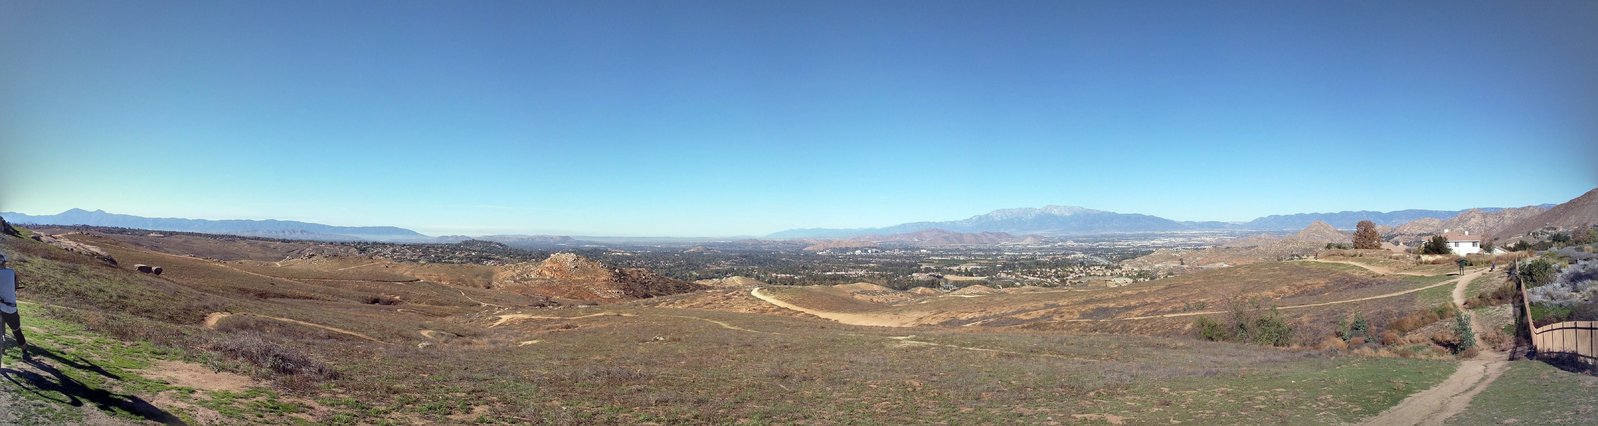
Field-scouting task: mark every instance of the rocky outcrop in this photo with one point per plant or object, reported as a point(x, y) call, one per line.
point(75, 247)
point(569, 276)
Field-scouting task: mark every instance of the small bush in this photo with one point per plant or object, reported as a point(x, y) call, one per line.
point(1390, 337)
point(1538, 272)
point(1247, 325)
point(271, 357)
point(1467, 336)
point(380, 300)
point(1332, 343)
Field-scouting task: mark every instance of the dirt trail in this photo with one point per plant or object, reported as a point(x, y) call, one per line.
point(1434, 406)
point(1373, 268)
point(517, 317)
point(846, 318)
point(214, 318)
point(725, 325)
point(1459, 283)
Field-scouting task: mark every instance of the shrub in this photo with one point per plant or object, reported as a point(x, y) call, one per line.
point(1332, 343)
point(1247, 325)
point(1358, 328)
point(1212, 330)
point(1271, 330)
point(1467, 336)
point(1389, 337)
point(1537, 273)
point(271, 357)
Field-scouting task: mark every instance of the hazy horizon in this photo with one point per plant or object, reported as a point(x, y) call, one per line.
point(433, 231)
point(724, 119)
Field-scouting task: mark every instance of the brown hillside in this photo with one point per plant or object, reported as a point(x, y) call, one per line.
point(569, 276)
point(1244, 251)
point(1476, 221)
point(1582, 210)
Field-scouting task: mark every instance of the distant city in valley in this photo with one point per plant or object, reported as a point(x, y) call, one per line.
point(798, 212)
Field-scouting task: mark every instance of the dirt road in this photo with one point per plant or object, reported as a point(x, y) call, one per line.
point(1434, 406)
point(1373, 268)
point(214, 318)
point(875, 320)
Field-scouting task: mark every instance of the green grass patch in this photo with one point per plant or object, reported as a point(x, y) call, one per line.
point(1532, 392)
point(1336, 391)
point(1482, 284)
point(1431, 296)
point(74, 367)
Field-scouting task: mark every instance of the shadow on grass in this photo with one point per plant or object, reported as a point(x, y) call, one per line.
point(1569, 362)
point(55, 386)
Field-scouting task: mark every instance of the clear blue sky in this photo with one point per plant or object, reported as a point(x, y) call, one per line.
point(684, 118)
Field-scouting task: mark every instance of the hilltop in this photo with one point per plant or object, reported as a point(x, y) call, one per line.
point(1246, 250)
point(1478, 221)
point(569, 276)
point(1582, 210)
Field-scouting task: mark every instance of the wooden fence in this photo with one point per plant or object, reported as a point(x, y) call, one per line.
point(1576, 338)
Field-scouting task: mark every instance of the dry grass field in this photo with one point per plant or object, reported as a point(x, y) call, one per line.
point(360, 341)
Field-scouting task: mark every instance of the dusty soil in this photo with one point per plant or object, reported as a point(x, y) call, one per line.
point(191, 375)
point(1451, 397)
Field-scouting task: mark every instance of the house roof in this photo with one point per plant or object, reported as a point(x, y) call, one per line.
point(1460, 236)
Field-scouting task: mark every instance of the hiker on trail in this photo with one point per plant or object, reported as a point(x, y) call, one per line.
point(8, 307)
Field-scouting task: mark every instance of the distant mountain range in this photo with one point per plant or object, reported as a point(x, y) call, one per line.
point(1049, 220)
point(1070, 220)
point(255, 228)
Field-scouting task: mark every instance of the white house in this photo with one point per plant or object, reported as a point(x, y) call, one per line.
point(1462, 243)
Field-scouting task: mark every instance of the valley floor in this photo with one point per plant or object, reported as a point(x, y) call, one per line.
point(355, 341)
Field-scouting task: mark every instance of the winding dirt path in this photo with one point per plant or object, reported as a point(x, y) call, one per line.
point(1377, 269)
point(517, 317)
point(214, 318)
point(1434, 406)
point(874, 320)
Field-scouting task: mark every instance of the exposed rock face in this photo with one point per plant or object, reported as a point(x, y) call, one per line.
point(567, 275)
point(75, 247)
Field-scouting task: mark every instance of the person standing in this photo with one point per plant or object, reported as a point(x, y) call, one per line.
point(8, 307)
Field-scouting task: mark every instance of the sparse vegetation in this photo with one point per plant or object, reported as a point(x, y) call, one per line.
point(1249, 324)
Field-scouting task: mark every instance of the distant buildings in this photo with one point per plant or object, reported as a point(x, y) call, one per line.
point(1462, 243)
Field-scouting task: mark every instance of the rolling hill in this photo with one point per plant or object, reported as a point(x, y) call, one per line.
point(1582, 210)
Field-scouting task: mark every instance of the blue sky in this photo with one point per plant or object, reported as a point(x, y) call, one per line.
point(654, 118)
